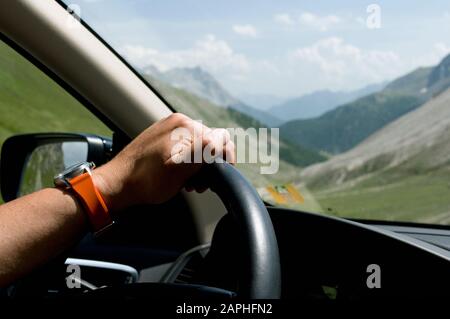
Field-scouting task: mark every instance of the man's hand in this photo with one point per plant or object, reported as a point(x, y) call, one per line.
point(153, 168)
point(38, 226)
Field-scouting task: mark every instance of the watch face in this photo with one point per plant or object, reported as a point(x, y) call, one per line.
point(62, 179)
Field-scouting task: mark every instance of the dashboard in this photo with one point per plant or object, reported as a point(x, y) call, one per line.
point(327, 258)
point(322, 258)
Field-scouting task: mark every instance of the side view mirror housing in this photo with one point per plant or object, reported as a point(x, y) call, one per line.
point(28, 162)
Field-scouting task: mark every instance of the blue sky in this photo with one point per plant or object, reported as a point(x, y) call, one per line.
point(284, 48)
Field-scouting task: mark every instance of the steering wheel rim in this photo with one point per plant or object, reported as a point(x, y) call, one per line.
point(262, 279)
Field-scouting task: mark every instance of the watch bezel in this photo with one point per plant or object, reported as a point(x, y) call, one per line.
point(63, 178)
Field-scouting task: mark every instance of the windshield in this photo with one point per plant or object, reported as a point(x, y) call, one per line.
point(351, 99)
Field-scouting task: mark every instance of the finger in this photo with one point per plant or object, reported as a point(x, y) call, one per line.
point(185, 144)
point(196, 140)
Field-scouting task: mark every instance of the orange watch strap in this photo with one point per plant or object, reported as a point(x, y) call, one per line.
point(92, 201)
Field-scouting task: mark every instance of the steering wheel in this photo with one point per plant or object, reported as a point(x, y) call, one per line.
point(262, 279)
point(261, 276)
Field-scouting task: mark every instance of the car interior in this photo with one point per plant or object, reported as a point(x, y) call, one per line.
point(224, 243)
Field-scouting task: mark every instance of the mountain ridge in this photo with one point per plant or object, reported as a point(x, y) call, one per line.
point(317, 103)
point(262, 101)
point(401, 172)
point(201, 83)
point(346, 126)
point(411, 136)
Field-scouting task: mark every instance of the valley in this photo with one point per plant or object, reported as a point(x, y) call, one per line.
point(402, 172)
point(384, 155)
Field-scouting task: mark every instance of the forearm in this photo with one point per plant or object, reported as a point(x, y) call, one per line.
point(35, 228)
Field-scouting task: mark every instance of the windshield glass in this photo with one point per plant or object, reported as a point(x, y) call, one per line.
point(353, 97)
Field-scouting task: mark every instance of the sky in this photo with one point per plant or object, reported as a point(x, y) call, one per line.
point(281, 48)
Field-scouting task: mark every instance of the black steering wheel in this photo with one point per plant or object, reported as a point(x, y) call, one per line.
point(261, 276)
point(262, 279)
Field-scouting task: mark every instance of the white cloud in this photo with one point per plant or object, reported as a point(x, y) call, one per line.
point(142, 56)
point(321, 23)
point(440, 51)
point(210, 53)
point(338, 64)
point(434, 55)
point(308, 20)
point(245, 30)
point(330, 62)
point(284, 19)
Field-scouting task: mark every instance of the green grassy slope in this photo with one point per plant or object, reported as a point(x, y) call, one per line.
point(32, 102)
point(421, 198)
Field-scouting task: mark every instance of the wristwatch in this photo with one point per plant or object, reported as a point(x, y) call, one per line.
point(78, 178)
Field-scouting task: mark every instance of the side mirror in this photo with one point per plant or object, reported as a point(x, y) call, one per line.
point(29, 162)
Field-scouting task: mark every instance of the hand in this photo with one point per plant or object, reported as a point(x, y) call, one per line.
point(154, 167)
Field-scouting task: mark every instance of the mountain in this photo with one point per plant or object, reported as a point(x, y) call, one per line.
point(199, 82)
point(316, 103)
point(439, 78)
point(292, 157)
point(196, 81)
point(261, 101)
point(401, 170)
point(262, 116)
point(413, 83)
point(341, 129)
